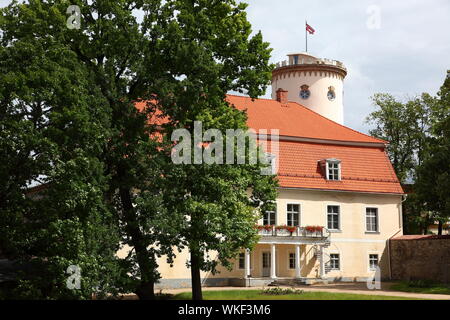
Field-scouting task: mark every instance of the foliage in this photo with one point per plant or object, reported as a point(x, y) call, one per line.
point(418, 132)
point(404, 126)
point(433, 175)
point(421, 286)
point(52, 130)
point(69, 120)
point(281, 291)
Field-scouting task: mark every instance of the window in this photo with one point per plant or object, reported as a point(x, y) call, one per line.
point(242, 261)
point(291, 260)
point(334, 170)
point(333, 218)
point(335, 263)
point(271, 163)
point(372, 220)
point(293, 215)
point(269, 218)
point(295, 59)
point(373, 262)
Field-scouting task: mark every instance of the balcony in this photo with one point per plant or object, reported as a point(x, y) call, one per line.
point(311, 234)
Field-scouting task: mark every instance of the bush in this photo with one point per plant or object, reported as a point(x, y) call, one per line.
point(281, 291)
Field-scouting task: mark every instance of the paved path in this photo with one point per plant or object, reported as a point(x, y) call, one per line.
point(356, 288)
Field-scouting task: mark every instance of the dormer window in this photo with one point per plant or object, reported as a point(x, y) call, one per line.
point(271, 162)
point(333, 169)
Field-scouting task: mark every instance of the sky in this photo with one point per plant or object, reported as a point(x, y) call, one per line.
point(401, 47)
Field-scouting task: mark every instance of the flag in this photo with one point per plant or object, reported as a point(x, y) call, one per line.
point(310, 29)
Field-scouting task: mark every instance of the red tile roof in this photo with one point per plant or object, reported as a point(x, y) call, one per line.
point(364, 162)
point(363, 169)
point(295, 120)
point(365, 165)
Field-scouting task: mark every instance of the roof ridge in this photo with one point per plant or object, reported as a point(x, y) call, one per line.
point(247, 97)
point(356, 131)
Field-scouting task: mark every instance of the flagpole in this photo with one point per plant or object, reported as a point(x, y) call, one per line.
point(306, 35)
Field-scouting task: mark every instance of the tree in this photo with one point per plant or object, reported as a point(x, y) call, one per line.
point(404, 126)
point(214, 55)
point(52, 128)
point(434, 173)
point(179, 59)
point(417, 134)
point(220, 204)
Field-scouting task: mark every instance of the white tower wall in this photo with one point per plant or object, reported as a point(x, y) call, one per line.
point(319, 75)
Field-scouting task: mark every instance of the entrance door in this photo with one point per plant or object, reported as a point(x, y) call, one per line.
point(266, 264)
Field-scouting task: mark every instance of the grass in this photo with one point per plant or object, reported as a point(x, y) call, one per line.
point(258, 295)
point(421, 287)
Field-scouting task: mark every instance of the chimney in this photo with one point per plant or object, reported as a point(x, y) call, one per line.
point(282, 96)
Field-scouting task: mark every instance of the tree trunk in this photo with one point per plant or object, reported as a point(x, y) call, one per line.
point(146, 290)
point(195, 275)
point(440, 227)
point(146, 262)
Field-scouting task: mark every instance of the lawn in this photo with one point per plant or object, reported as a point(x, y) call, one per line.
point(421, 287)
point(257, 295)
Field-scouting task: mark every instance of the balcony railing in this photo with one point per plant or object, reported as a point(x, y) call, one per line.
point(305, 232)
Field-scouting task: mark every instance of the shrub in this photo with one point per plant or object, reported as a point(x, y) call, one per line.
point(281, 291)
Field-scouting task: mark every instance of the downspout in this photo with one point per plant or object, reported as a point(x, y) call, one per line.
point(404, 197)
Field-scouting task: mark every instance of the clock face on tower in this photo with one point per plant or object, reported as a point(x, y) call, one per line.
point(331, 94)
point(304, 92)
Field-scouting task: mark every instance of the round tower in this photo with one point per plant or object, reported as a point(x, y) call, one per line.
point(315, 83)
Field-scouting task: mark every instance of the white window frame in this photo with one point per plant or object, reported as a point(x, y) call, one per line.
point(339, 260)
point(378, 220)
point(369, 269)
point(266, 212)
point(339, 168)
point(339, 217)
point(299, 213)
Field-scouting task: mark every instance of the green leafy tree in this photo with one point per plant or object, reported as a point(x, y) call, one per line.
point(416, 131)
point(434, 173)
point(404, 126)
point(216, 202)
point(52, 131)
point(179, 59)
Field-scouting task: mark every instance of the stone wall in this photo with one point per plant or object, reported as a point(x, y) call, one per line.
point(421, 258)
